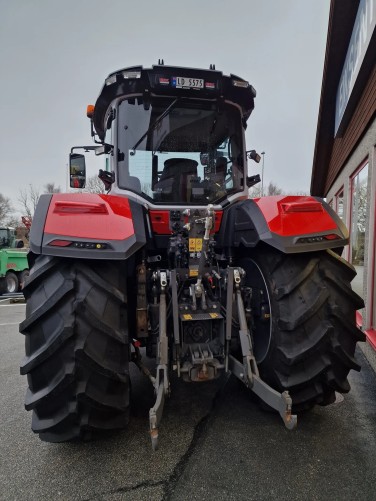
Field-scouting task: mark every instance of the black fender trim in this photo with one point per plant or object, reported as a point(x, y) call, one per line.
point(39, 220)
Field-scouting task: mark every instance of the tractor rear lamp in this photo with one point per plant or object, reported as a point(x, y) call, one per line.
point(332, 236)
point(61, 243)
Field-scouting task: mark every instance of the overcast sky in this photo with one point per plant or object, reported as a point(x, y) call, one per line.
point(55, 55)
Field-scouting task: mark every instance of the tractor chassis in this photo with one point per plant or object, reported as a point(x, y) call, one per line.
point(246, 371)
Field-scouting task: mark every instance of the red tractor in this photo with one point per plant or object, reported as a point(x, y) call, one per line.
point(177, 261)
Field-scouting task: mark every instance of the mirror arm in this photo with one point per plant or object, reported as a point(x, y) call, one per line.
point(92, 131)
point(86, 148)
point(104, 149)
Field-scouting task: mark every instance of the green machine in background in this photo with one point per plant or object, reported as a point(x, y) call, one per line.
point(13, 261)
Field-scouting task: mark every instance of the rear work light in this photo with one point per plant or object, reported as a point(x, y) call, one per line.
point(240, 83)
point(110, 80)
point(131, 74)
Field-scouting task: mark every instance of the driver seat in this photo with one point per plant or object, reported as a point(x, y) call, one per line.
point(175, 181)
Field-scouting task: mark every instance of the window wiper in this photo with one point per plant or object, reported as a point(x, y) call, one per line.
point(132, 151)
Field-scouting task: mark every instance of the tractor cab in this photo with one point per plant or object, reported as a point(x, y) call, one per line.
point(7, 238)
point(173, 135)
point(193, 155)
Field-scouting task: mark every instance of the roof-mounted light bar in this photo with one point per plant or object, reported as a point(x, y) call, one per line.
point(131, 74)
point(240, 83)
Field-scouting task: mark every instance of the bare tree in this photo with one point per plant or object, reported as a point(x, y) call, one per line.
point(6, 210)
point(28, 200)
point(51, 188)
point(255, 191)
point(94, 185)
point(13, 222)
point(273, 189)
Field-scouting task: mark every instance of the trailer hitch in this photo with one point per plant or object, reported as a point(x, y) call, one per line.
point(248, 371)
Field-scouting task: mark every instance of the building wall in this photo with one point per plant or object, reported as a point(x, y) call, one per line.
point(362, 115)
point(365, 152)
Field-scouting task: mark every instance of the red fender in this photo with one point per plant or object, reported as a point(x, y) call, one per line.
point(288, 223)
point(89, 215)
point(293, 215)
point(87, 225)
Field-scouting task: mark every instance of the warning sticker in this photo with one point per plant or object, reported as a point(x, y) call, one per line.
point(193, 271)
point(187, 317)
point(195, 244)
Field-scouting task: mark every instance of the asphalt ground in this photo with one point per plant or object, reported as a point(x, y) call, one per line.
point(215, 444)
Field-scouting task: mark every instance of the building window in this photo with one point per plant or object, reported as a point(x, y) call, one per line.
point(358, 225)
point(339, 204)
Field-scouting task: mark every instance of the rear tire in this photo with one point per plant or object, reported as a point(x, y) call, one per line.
point(77, 349)
point(305, 333)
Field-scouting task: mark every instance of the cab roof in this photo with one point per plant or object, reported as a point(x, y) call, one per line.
point(172, 81)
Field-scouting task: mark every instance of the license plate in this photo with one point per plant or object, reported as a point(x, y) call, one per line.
point(189, 83)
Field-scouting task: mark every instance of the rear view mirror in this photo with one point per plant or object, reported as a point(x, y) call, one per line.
point(77, 170)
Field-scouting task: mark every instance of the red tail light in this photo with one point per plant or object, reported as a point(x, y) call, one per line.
point(60, 243)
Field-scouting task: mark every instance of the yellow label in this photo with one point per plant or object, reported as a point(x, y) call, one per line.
point(195, 244)
point(214, 315)
point(187, 317)
point(193, 272)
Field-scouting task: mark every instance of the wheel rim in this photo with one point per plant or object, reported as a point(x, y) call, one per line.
point(12, 284)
